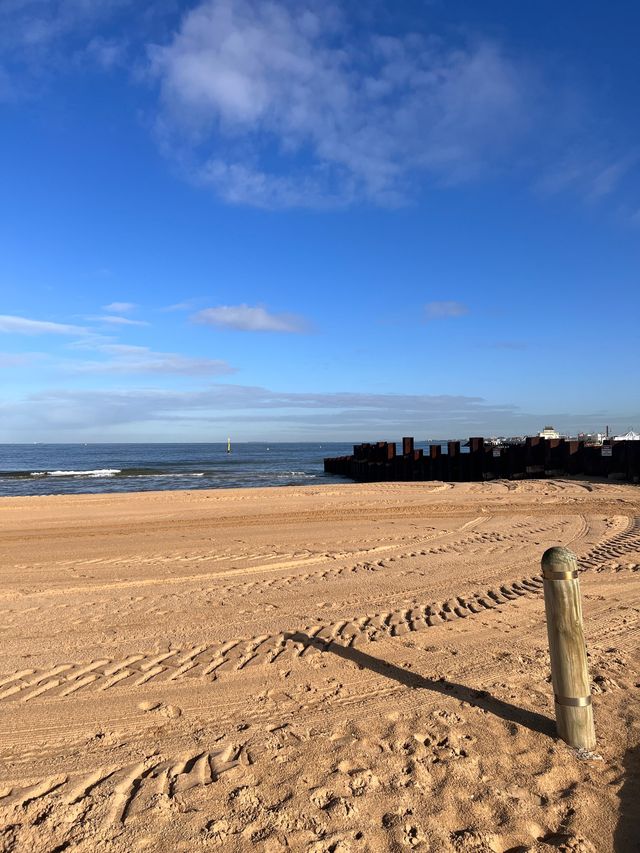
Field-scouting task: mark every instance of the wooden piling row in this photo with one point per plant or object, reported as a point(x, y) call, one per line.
point(537, 457)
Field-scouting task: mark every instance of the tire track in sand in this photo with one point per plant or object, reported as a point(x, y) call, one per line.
point(624, 542)
point(209, 661)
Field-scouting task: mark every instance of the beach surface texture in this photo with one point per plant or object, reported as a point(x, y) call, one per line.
point(334, 668)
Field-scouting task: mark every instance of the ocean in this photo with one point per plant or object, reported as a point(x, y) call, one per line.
point(57, 469)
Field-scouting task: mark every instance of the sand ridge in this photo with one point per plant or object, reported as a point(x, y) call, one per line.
point(336, 668)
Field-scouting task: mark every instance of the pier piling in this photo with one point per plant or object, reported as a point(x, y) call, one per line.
point(536, 457)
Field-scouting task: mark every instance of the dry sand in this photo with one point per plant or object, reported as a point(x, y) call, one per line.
point(342, 668)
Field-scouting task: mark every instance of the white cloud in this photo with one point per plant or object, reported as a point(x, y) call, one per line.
point(125, 359)
point(113, 320)
point(248, 318)
point(438, 310)
point(119, 307)
point(26, 326)
point(344, 117)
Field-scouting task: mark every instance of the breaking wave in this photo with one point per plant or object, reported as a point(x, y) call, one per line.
point(99, 472)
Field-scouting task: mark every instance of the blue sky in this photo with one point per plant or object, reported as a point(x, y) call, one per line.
point(298, 220)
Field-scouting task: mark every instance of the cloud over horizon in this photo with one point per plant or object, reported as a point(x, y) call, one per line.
point(316, 416)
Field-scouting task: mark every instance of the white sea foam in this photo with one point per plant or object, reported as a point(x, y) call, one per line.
point(97, 472)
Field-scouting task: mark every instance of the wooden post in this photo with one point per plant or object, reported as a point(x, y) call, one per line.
point(569, 670)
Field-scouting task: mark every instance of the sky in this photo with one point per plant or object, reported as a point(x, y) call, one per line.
point(298, 220)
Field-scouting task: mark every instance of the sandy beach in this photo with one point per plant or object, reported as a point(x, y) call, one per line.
point(335, 668)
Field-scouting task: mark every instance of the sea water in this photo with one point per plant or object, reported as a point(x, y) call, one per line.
point(48, 469)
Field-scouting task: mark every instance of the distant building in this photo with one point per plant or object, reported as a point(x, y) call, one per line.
point(628, 436)
point(549, 432)
point(591, 439)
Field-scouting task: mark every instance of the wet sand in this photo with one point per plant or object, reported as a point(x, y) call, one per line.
point(334, 668)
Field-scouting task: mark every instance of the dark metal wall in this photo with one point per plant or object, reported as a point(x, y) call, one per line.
point(538, 457)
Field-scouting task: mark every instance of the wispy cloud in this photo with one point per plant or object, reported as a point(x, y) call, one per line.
point(116, 320)
point(23, 359)
point(105, 52)
point(347, 118)
point(249, 318)
point(593, 176)
point(440, 310)
point(125, 359)
point(303, 411)
point(38, 37)
point(119, 307)
point(26, 326)
point(187, 305)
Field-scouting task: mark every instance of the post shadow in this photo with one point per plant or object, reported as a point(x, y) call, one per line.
point(478, 698)
point(627, 835)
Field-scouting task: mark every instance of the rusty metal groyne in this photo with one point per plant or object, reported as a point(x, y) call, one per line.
point(536, 457)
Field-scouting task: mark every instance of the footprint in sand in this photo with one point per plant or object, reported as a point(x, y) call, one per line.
point(470, 841)
point(413, 836)
point(170, 711)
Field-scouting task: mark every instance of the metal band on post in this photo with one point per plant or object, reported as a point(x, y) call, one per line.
point(559, 576)
point(573, 702)
point(569, 670)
